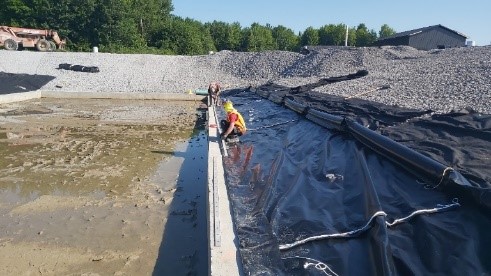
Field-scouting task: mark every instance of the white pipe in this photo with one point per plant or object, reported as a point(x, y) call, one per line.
point(346, 38)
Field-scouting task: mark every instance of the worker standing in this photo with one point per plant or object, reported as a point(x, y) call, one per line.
point(214, 90)
point(234, 125)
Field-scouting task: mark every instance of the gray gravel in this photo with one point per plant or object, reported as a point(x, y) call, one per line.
point(440, 80)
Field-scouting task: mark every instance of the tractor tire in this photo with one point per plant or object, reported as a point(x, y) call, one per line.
point(42, 45)
point(52, 46)
point(10, 44)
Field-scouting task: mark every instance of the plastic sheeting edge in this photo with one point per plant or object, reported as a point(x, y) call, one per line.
point(412, 160)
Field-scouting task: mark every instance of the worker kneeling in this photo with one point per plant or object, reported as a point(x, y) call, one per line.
point(234, 126)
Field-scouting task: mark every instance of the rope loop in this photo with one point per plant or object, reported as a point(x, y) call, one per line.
point(316, 264)
point(444, 174)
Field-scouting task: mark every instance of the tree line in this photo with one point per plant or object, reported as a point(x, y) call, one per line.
point(148, 26)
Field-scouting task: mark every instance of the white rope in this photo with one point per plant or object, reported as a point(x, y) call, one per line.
point(317, 265)
point(447, 170)
point(439, 208)
point(329, 236)
point(349, 234)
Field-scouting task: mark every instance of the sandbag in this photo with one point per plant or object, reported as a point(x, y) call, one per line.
point(79, 68)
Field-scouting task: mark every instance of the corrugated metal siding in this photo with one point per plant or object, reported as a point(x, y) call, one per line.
point(428, 38)
point(402, 40)
point(436, 38)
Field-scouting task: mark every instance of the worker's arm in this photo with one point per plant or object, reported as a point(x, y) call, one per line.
point(231, 126)
point(229, 129)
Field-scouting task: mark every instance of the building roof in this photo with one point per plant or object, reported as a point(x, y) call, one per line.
point(420, 30)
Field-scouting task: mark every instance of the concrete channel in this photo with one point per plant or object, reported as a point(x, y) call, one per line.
point(223, 244)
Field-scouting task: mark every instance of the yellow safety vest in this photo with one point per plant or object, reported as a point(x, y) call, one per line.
point(239, 123)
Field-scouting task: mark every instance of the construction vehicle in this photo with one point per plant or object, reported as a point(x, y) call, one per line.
point(12, 38)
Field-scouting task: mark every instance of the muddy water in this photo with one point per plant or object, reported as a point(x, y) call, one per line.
point(82, 189)
point(184, 247)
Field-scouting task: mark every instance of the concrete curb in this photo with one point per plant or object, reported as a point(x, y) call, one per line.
point(24, 96)
point(19, 97)
point(122, 96)
point(224, 258)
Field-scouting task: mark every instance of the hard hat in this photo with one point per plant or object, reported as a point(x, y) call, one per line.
point(228, 106)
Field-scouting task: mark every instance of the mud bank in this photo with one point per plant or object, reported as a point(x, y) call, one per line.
point(80, 186)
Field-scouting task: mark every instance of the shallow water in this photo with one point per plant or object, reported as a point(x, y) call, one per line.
point(184, 247)
point(71, 147)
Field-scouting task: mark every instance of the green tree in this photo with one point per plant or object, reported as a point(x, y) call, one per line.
point(234, 36)
point(115, 30)
point(185, 37)
point(285, 39)
point(81, 22)
point(386, 31)
point(148, 15)
point(15, 13)
point(110, 24)
point(225, 36)
point(129, 24)
point(148, 26)
point(332, 34)
point(165, 38)
point(365, 37)
point(219, 33)
point(207, 40)
point(310, 37)
point(258, 38)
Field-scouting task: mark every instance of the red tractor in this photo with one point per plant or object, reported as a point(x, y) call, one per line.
point(11, 38)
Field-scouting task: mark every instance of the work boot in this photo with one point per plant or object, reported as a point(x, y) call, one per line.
point(232, 138)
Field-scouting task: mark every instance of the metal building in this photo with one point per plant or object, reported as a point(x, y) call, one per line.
point(427, 38)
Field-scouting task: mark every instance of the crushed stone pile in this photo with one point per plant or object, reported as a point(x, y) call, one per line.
point(438, 80)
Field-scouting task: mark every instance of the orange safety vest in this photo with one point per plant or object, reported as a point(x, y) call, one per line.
point(239, 123)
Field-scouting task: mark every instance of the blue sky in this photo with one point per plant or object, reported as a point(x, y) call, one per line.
point(469, 17)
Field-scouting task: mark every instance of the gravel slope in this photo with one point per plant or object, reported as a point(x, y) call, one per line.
point(440, 80)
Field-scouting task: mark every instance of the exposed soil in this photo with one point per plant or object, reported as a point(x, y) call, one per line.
point(78, 188)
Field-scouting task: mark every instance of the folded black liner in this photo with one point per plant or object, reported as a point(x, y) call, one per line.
point(358, 188)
